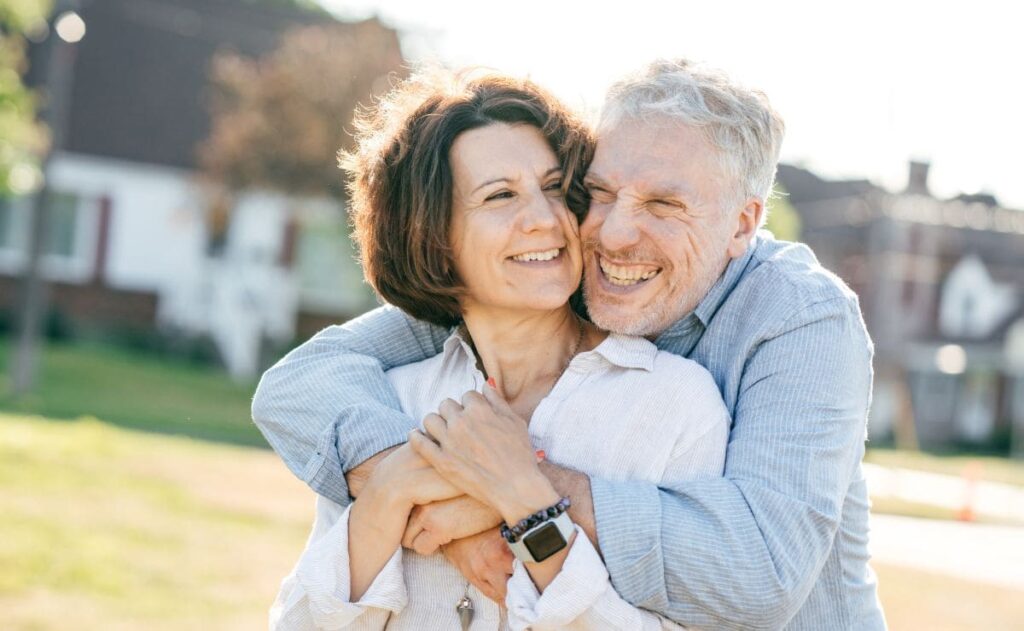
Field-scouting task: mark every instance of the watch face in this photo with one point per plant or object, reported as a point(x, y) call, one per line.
point(544, 541)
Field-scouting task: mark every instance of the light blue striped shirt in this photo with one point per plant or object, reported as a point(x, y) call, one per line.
point(779, 542)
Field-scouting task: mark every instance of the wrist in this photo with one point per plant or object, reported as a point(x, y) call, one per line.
point(386, 497)
point(527, 495)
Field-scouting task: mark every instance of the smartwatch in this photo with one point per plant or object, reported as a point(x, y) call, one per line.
point(543, 540)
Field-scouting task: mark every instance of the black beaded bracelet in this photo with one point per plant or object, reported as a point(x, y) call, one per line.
point(513, 533)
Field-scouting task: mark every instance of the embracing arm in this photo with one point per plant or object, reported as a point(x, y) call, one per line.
point(744, 551)
point(327, 406)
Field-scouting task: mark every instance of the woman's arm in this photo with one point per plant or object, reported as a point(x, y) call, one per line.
point(327, 407)
point(350, 574)
point(378, 518)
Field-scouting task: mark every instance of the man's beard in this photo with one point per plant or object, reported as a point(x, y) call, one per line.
point(659, 312)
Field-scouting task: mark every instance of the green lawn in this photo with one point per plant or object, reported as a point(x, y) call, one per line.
point(136, 390)
point(992, 468)
point(108, 528)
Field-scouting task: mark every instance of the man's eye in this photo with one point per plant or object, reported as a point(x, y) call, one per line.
point(599, 194)
point(666, 206)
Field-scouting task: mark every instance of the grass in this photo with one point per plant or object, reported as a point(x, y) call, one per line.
point(919, 600)
point(993, 468)
point(136, 390)
point(116, 529)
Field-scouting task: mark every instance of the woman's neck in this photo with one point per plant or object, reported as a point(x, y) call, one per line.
point(526, 353)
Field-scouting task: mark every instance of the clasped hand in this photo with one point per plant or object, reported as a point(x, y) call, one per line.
point(473, 466)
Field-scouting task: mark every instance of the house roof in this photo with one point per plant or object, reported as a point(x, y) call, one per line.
point(140, 75)
point(803, 186)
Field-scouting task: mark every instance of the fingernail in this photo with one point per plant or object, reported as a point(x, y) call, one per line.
point(492, 383)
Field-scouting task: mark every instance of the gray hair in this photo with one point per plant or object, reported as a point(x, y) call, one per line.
point(736, 120)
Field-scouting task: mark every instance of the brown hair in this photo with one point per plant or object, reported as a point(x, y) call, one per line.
point(400, 177)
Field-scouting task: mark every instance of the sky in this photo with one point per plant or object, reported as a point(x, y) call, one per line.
point(864, 87)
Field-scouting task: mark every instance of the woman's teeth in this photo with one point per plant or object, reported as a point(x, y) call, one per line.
point(625, 275)
point(546, 255)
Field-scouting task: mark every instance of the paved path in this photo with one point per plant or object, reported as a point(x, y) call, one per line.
point(992, 499)
point(976, 552)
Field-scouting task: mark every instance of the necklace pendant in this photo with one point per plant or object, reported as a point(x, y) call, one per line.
point(465, 611)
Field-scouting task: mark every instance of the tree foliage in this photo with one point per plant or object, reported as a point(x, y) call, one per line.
point(279, 121)
point(22, 139)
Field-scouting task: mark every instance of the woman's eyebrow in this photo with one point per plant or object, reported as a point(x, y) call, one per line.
point(489, 182)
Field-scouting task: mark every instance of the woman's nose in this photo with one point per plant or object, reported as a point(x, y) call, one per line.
point(540, 212)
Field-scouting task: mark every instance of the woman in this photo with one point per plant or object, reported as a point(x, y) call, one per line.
point(466, 197)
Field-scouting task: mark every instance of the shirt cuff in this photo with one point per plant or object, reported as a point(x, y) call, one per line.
point(323, 574)
point(576, 588)
point(628, 516)
point(342, 449)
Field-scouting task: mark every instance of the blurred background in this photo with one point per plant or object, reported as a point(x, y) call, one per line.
point(172, 222)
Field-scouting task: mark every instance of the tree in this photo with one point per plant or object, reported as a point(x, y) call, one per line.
point(22, 139)
point(278, 122)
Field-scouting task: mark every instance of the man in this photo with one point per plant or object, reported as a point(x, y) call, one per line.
point(684, 163)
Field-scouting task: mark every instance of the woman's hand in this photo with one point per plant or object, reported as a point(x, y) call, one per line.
point(405, 479)
point(483, 447)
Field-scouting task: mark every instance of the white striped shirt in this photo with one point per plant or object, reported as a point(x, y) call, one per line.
point(624, 411)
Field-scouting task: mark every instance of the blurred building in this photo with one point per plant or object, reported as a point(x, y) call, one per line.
point(129, 248)
point(941, 284)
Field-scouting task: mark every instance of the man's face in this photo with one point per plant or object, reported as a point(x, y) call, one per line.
point(664, 221)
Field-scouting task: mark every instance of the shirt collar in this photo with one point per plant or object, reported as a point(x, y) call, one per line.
point(725, 284)
point(627, 351)
point(624, 351)
point(715, 297)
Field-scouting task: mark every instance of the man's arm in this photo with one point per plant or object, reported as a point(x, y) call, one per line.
point(745, 550)
point(328, 407)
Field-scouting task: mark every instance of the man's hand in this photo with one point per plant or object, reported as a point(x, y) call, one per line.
point(485, 560)
point(434, 525)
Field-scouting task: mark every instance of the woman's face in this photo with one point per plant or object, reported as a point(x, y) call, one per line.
point(516, 244)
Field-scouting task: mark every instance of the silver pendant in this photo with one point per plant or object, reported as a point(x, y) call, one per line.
point(465, 611)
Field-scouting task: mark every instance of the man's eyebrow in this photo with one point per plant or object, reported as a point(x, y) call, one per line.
point(593, 178)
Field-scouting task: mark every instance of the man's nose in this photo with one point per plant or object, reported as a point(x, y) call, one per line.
point(619, 229)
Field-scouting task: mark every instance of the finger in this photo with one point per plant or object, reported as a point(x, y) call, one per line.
point(426, 543)
point(435, 427)
point(413, 528)
point(472, 398)
point(425, 448)
point(498, 402)
point(449, 409)
point(498, 587)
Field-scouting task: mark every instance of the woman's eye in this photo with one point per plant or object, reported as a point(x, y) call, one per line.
point(499, 195)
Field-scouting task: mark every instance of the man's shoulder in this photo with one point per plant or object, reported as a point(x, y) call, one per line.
point(785, 278)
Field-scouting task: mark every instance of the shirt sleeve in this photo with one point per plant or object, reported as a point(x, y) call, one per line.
point(316, 595)
point(580, 598)
point(327, 406)
point(744, 551)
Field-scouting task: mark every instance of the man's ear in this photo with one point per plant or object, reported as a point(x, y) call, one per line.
point(747, 223)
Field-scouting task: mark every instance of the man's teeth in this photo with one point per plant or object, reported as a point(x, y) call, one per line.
point(625, 275)
point(546, 255)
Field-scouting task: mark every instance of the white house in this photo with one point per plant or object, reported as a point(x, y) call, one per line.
point(128, 242)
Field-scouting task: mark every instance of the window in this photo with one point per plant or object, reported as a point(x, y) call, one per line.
point(68, 245)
